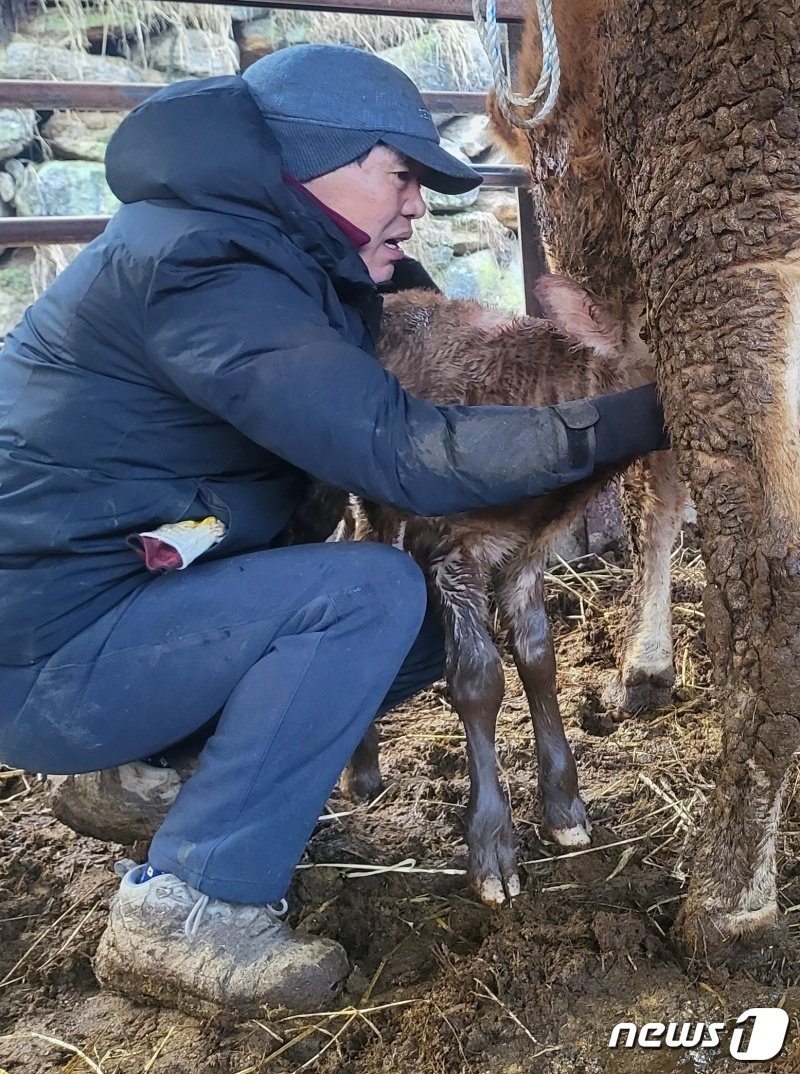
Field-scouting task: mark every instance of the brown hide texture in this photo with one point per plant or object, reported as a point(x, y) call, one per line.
point(576, 200)
point(581, 220)
point(672, 169)
point(703, 124)
point(450, 351)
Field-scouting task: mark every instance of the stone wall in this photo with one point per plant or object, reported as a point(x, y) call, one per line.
point(51, 162)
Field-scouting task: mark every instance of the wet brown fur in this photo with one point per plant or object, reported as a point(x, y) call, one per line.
point(457, 352)
point(443, 350)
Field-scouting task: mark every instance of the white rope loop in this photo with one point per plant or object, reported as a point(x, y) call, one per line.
point(508, 101)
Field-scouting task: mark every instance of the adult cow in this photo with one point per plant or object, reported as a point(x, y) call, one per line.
point(670, 171)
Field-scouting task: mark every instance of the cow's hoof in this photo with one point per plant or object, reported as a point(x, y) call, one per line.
point(699, 931)
point(638, 690)
point(758, 943)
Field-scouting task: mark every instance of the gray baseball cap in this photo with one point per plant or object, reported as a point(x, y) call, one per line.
point(329, 104)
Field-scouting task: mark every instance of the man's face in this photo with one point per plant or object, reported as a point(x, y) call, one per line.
point(382, 196)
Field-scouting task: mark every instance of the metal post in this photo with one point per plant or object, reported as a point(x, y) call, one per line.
point(533, 259)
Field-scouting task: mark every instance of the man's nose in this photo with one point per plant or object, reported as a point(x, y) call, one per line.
point(415, 206)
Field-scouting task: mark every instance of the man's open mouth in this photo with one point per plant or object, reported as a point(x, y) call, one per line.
point(394, 242)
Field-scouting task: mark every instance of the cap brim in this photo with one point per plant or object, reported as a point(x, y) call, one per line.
point(441, 171)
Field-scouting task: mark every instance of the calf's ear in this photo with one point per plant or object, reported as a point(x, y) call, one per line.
point(580, 315)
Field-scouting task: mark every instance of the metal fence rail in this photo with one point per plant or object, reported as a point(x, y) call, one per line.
point(121, 96)
point(113, 97)
point(507, 10)
point(38, 230)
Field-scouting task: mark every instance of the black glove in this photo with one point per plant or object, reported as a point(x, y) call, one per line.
point(408, 273)
point(631, 423)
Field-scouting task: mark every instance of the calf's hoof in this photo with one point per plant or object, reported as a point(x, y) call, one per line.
point(639, 690)
point(497, 888)
point(493, 871)
point(363, 785)
point(568, 827)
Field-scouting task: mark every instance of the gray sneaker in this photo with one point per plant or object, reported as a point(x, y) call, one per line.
point(167, 942)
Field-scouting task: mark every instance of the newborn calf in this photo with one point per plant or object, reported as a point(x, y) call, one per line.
point(448, 352)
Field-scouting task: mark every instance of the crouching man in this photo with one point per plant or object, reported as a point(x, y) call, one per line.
point(162, 406)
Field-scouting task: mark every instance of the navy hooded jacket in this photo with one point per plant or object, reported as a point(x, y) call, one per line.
point(203, 356)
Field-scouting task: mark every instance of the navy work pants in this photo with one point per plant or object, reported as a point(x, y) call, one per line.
point(298, 649)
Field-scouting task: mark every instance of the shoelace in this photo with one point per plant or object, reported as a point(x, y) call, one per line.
point(192, 923)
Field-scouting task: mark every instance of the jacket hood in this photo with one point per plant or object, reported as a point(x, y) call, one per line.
point(206, 144)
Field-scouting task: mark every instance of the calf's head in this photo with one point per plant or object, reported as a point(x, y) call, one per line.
point(610, 329)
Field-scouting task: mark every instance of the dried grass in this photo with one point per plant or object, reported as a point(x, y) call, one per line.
point(58, 1043)
point(14, 784)
point(26, 962)
point(139, 19)
point(372, 32)
point(143, 18)
point(48, 262)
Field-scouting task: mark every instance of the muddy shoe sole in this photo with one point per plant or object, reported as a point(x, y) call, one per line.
point(119, 805)
point(172, 973)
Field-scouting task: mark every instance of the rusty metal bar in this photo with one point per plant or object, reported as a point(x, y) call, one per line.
point(459, 104)
point(120, 97)
point(534, 264)
point(55, 230)
point(507, 10)
point(90, 96)
point(533, 261)
point(36, 230)
point(503, 175)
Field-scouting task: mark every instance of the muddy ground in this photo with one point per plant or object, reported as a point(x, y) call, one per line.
point(440, 984)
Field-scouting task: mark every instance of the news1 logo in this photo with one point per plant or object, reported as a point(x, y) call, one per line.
point(759, 1033)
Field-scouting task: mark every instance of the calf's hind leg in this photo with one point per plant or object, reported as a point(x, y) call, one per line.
point(361, 781)
point(520, 596)
point(475, 676)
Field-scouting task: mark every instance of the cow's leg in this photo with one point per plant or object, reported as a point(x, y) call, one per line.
point(475, 676)
point(361, 781)
point(520, 596)
point(653, 503)
point(722, 285)
point(750, 510)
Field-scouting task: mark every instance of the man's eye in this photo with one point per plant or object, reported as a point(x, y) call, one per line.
point(403, 176)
